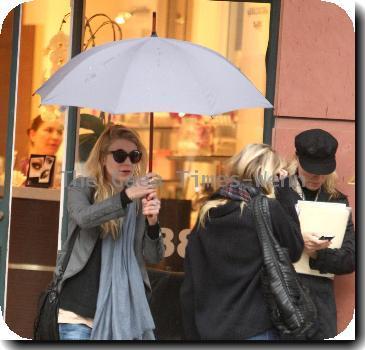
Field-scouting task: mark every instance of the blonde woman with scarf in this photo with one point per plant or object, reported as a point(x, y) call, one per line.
point(221, 295)
point(105, 287)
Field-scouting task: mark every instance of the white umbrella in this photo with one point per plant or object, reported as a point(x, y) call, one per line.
point(152, 74)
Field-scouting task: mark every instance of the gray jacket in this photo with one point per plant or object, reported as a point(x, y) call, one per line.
point(88, 217)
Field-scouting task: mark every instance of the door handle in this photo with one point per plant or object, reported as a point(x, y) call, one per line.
point(2, 215)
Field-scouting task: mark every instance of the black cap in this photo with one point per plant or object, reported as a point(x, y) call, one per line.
point(316, 150)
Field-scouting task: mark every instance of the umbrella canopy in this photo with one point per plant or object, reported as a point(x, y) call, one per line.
point(152, 74)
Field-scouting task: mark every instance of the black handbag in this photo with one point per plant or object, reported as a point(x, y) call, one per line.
point(292, 311)
point(46, 322)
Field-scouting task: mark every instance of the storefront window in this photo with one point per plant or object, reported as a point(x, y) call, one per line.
point(44, 43)
point(5, 64)
point(189, 150)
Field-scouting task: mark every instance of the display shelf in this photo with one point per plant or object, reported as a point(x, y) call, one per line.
point(138, 127)
point(46, 194)
point(199, 158)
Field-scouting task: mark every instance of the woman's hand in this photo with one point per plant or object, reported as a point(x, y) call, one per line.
point(151, 207)
point(312, 244)
point(143, 186)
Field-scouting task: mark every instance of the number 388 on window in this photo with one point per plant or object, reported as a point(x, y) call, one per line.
point(168, 236)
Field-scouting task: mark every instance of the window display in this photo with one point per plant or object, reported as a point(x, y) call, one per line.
point(40, 172)
point(45, 137)
point(44, 48)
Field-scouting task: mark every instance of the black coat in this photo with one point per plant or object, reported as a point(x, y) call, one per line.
point(221, 296)
point(337, 261)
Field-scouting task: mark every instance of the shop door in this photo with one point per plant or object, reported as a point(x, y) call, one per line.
point(8, 77)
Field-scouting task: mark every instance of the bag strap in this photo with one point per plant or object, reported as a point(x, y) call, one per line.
point(70, 248)
point(261, 212)
point(265, 232)
point(68, 253)
point(72, 243)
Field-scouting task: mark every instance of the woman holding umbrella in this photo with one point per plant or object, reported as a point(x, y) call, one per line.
point(105, 287)
point(221, 296)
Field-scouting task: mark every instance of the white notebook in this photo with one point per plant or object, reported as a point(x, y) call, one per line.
point(326, 219)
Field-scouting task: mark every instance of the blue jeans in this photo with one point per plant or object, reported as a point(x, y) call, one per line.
point(69, 331)
point(270, 334)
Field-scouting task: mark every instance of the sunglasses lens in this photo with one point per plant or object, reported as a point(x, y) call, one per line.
point(120, 156)
point(135, 156)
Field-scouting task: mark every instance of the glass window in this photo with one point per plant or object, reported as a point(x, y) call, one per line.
point(5, 64)
point(189, 150)
point(44, 48)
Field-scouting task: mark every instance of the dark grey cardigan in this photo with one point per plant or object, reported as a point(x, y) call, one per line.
point(89, 217)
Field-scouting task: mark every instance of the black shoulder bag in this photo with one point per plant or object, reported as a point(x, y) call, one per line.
point(292, 311)
point(46, 322)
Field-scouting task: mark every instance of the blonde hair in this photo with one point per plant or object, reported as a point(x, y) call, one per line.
point(329, 184)
point(96, 170)
point(256, 163)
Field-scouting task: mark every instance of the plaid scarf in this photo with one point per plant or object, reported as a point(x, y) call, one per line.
point(243, 191)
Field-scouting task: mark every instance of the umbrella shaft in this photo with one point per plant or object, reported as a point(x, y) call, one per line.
point(151, 143)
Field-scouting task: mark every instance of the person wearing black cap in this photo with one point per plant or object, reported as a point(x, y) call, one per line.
point(312, 177)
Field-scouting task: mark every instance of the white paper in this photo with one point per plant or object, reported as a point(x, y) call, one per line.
point(323, 219)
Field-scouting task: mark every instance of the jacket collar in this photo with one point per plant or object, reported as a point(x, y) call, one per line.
point(224, 209)
point(322, 197)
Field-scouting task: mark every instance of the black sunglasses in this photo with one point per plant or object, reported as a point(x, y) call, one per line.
point(121, 155)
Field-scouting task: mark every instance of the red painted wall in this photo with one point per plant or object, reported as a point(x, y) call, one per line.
point(316, 61)
point(315, 88)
